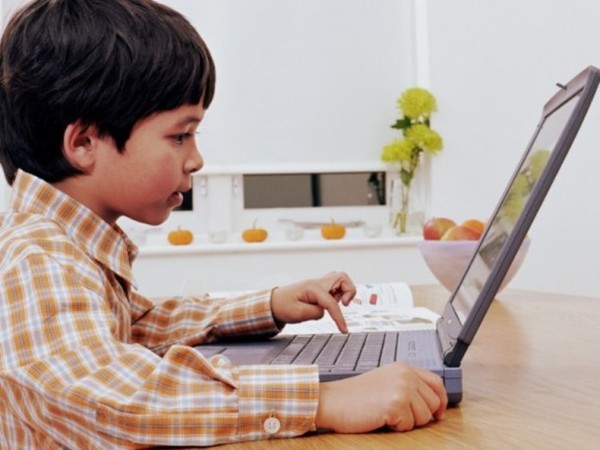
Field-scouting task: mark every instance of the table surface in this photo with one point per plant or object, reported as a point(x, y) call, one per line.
point(530, 380)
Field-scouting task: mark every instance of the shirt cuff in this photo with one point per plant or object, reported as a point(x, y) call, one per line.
point(276, 401)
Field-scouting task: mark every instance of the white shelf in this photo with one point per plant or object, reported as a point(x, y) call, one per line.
point(276, 243)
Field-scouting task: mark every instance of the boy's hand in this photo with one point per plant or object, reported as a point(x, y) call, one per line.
point(308, 300)
point(395, 396)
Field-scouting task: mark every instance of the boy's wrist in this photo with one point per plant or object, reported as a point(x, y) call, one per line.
point(278, 322)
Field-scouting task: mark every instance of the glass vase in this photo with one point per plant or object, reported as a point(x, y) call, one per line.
point(399, 205)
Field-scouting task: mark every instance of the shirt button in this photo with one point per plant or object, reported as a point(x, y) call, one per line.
point(272, 425)
point(220, 361)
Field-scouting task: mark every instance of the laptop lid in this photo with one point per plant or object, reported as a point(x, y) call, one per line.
point(561, 119)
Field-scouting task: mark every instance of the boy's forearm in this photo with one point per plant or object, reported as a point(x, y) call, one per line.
point(193, 321)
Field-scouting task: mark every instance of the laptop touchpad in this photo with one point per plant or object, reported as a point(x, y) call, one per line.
point(244, 353)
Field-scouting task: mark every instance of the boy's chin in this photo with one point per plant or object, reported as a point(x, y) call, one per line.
point(152, 219)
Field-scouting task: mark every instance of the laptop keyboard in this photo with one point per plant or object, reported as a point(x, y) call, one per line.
point(345, 352)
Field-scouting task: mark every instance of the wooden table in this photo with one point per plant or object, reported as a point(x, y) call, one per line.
point(531, 381)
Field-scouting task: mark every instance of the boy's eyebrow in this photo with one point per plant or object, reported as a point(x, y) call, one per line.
point(188, 120)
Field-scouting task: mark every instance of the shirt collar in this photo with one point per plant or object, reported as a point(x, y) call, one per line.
point(105, 243)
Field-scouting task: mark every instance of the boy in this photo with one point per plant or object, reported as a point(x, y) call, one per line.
point(99, 104)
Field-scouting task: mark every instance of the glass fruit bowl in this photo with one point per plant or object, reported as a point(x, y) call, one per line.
point(448, 260)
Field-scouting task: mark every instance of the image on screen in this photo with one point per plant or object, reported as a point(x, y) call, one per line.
point(502, 224)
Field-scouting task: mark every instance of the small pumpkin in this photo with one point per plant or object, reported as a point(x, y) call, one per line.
point(254, 234)
point(180, 237)
point(333, 230)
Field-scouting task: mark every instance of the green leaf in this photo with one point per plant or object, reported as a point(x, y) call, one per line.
point(405, 177)
point(402, 124)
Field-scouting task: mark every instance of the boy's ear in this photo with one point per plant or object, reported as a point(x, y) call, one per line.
point(79, 146)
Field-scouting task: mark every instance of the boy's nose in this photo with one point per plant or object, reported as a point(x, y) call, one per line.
point(194, 163)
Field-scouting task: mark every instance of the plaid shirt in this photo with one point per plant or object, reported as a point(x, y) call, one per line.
point(86, 362)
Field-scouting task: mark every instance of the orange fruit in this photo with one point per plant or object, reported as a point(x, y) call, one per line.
point(461, 233)
point(476, 224)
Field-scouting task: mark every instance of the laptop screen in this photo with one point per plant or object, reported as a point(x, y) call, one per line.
point(507, 228)
point(512, 205)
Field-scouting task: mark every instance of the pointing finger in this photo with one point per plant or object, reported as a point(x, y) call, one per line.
point(333, 308)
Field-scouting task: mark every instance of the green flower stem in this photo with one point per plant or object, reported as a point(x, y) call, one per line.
point(400, 218)
point(404, 205)
point(406, 176)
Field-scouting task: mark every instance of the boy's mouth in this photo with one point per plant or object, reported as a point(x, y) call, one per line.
point(176, 198)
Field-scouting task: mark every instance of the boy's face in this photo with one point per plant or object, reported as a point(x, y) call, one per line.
point(146, 181)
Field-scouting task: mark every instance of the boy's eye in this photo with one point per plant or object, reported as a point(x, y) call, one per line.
point(181, 138)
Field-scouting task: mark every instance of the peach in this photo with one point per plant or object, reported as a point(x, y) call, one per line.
point(434, 228)
point(476, 224)
point(461, 233)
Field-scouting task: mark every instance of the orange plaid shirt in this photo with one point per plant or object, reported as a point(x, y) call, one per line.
point(88, 363)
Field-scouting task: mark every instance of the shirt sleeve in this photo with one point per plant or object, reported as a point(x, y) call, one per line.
point(67, 377)
point(193, 321)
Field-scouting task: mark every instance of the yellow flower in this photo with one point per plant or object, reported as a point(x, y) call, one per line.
point(537, 162)
point(521, 186)
point(417, 103)
point(513, 207)
point(397, 150)
point(425, 138)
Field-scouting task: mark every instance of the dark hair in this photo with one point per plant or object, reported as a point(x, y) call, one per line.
point(107, 63)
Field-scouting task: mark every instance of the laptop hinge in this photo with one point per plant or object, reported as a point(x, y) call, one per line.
point(453, 350)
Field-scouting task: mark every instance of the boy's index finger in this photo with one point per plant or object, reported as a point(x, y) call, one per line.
point(334, 310)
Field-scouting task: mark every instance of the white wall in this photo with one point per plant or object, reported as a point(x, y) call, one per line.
point(8, 6)
point(302, 81)
point(492, 66)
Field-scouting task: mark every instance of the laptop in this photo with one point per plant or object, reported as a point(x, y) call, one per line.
point(441, 349)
